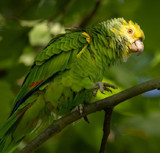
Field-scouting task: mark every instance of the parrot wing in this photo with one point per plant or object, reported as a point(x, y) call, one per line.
point(54, 58)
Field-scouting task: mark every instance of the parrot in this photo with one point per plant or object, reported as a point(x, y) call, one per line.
point(66, 74)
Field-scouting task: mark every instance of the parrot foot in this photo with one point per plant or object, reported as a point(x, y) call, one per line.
point(80, 109)
point(102, 86)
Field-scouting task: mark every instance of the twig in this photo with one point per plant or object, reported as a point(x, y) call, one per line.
point(2, 73)
point(88, 18)
point(106, 128)
point(108, 102)
point(60, 11)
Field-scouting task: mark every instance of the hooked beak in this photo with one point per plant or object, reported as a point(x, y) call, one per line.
point(137, 46)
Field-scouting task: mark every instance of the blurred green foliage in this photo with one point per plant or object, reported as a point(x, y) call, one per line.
point(26, 27)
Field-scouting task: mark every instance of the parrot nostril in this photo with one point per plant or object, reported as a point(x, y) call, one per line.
point(141, 39)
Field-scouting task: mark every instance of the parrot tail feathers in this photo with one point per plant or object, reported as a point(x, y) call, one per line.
point(7, 145)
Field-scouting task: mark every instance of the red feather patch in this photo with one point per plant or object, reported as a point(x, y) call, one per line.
point(34, 84)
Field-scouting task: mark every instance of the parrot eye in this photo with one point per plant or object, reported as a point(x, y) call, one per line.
point(130, 31)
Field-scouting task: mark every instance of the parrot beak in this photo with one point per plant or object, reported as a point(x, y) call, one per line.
point(137, 46)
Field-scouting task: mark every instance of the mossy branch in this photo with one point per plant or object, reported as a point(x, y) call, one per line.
point(109, 102)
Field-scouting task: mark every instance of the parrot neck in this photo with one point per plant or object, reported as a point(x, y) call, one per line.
point(114, 26)
point(106, 45)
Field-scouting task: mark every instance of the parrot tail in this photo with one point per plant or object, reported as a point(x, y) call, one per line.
point(6, 144)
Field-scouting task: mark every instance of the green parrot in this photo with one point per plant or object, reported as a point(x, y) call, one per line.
point(68, 73)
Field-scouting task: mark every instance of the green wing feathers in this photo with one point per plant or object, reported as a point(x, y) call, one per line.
point(56, 57)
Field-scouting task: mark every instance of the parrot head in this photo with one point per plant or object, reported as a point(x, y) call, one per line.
point(130, 34)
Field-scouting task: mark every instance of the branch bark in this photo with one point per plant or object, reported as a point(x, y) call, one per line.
point(60, 11)
point(89, 17)
point(108, 102)
point(106, 128)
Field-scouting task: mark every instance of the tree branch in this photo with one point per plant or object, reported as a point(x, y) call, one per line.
point(60, 11)
point(106, 128)
point(109, 102)
point(88, 18)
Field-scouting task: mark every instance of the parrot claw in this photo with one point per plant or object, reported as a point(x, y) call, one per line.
point(101, 86)
point(86, 119)
point(80, 109)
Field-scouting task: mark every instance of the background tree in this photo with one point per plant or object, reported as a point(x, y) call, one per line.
point(27, 26)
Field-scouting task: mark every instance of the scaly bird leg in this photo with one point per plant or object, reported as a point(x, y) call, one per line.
point(80, 109)
point(102, 86)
